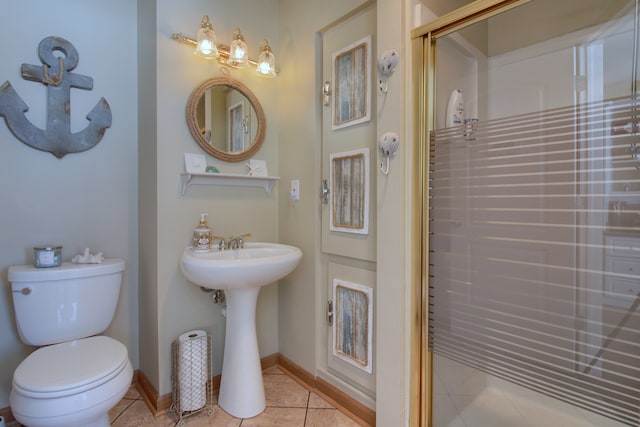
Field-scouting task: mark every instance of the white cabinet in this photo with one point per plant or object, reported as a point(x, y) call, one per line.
point(622, 270)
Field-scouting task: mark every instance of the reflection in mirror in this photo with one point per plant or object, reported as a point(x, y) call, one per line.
point(226, 119)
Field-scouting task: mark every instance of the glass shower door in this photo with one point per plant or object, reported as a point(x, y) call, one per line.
point(534, 218)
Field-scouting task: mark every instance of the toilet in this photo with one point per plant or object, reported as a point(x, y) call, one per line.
point(75, 376)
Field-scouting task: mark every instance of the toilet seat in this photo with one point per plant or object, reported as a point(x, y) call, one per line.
point(70, 368)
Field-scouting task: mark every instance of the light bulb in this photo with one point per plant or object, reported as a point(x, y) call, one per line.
point(266, 61)
point(206, 40)
point(238, 56)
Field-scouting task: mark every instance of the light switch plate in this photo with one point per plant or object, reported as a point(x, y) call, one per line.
point(294, 191)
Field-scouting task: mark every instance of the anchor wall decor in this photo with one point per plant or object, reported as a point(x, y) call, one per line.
point(58, 58)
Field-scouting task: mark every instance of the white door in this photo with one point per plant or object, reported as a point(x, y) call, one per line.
point(349, 160)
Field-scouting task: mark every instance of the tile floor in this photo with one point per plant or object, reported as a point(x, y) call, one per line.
point(288, 405)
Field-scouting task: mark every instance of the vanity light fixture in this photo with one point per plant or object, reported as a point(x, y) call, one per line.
point(235, 55)
point(238, 56)
point(206, 40)
point(266, 61)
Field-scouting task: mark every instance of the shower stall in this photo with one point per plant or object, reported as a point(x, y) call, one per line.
point(529, 132)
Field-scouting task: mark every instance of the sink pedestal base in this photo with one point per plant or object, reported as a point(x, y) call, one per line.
point(241, 387)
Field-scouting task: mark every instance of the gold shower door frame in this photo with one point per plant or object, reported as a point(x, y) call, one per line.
point(423, 40)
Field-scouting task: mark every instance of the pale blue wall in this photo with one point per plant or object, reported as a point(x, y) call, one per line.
point(86, 199)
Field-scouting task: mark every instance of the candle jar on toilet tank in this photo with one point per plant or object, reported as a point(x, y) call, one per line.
point(47, 256)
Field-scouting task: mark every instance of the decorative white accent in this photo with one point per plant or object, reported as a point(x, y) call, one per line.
point(195, 163)
point(188, 179)
point(387, 63)
point(388, 145)
point(257, 167)
point(88, 258)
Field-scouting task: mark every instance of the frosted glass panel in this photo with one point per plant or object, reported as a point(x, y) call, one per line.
point(534, 217)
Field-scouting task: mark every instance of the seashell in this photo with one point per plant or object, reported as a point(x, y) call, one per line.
point(389, 143)
point(387, 62)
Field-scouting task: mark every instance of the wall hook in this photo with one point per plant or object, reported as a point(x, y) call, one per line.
point(388, 145)
point(387, 63)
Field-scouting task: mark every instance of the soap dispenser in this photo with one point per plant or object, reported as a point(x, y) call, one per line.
point(202, 235)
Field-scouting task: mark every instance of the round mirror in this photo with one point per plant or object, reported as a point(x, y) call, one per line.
point(226, 119)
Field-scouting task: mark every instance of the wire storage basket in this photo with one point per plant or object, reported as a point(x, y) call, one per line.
point(191, 375)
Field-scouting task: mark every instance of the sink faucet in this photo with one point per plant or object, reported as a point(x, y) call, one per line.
point(222, 242)
point(237, 242)
point(233, 242)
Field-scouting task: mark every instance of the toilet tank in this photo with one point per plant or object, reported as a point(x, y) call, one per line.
point(64, 303)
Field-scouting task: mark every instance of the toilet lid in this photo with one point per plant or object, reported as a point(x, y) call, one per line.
point(70, 367)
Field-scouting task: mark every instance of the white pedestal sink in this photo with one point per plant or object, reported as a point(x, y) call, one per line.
point(240, 273)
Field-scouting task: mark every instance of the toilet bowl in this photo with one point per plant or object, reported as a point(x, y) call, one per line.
point(75, 376)
point(75, 393)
